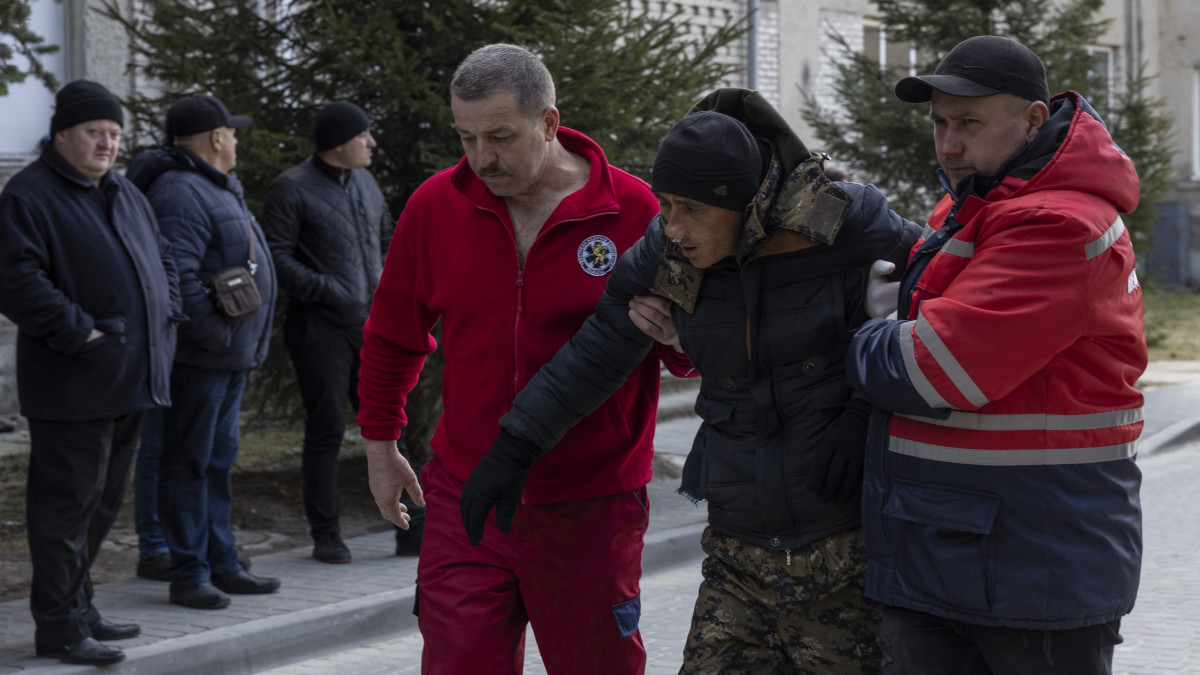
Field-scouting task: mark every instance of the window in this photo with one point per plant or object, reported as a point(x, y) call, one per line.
point(27, 108)
point(1196, 124)
point(1101, 68)
point(897, 56)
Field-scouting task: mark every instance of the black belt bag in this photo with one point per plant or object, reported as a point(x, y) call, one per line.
point(233, 290)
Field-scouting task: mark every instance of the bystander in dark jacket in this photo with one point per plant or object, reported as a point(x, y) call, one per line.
point(329, 228)
point(203, 214)
point(90, 284)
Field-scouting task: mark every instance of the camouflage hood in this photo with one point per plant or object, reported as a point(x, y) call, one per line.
point(795, 207)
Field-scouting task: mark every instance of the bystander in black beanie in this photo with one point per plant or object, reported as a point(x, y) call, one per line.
point(83, 101)
point(337, 123)
point(711, 158)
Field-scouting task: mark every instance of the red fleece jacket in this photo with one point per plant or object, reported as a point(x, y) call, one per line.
point(453, 258)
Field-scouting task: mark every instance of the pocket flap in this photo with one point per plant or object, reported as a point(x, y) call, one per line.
point(714, 410)
point(942, 507)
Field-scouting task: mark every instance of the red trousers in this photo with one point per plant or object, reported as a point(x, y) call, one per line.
point(569, 569)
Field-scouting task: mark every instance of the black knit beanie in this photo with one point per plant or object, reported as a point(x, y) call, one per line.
point(83, 101)
point(337, 123)
point(711, 158)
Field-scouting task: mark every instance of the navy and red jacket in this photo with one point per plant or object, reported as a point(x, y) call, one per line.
point(1000, 483)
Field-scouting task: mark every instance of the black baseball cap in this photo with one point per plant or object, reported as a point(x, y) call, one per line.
point(197, 114)
point(982, 66)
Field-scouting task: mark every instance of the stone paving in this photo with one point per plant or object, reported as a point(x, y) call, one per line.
point(1162, 635)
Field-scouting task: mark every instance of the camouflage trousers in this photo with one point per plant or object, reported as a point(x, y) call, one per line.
point(759, 612)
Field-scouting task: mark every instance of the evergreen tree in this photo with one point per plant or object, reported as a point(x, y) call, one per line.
point(880, 137)
point(21, 48)
point(623, 78)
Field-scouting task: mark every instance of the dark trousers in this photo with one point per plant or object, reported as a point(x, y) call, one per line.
point(195, 492)
point(326, 359)
point(145, 487)
point(77, 477)
point(914, 643)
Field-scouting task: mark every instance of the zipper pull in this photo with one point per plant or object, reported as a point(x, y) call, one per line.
point(789, 556)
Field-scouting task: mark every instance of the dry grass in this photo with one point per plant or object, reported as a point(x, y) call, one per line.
point(1173, 325)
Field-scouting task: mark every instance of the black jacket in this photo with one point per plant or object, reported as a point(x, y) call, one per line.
point(768, 331)
point(328, 230)
point(76, 256)
point(202, 213)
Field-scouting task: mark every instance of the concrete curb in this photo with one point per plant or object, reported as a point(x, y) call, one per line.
point(279, 640)
point(275, 641)
point(1174, 436)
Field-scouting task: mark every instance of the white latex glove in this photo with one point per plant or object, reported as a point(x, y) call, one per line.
point(882, 295)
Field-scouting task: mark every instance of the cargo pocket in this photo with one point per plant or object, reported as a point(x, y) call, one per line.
point(942, 535)
point(628, 614)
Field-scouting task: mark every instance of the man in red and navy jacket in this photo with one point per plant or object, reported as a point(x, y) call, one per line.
point(1000, 503)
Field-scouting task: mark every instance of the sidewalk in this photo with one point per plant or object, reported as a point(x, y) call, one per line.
point(322, 608)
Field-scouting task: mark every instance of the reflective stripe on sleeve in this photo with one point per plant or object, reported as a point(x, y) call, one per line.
point(1035, 457)
point(1034, 422)
point(959, 248)
point(908, 350)
point(1106, 240)
point(949, 365)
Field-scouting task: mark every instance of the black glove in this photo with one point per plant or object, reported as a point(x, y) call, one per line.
point(498, 480)
point(836, 470)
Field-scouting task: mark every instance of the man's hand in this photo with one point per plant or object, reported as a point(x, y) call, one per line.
point(498, 480)
point(389, 475)
point(652, 315)
point(882, 295)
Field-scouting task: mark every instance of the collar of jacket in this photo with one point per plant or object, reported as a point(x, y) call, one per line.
point(59, 165)
point(190, 160)
point(796, 206)
point(339, 175)
point(597, 197)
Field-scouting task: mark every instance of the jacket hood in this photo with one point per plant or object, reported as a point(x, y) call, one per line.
point(795, 195)
point(149, 165)
point(1073, 137)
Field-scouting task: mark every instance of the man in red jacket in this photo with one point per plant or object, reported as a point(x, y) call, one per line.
point(1000, 502)
point(510, 251)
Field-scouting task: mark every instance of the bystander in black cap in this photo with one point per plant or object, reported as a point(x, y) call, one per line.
point(83, 101)
point(711, 158)
point(982, 66)
point(337, 123)
point(197, 114)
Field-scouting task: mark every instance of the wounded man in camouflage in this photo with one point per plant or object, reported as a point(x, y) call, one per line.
point(756, 268)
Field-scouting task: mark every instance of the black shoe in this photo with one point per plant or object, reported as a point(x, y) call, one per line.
point(203, 596)
point(329, 548)
point(104, 630)
point(244, 583)
point(408, 542)
point(86, 652)
point(155, 568)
